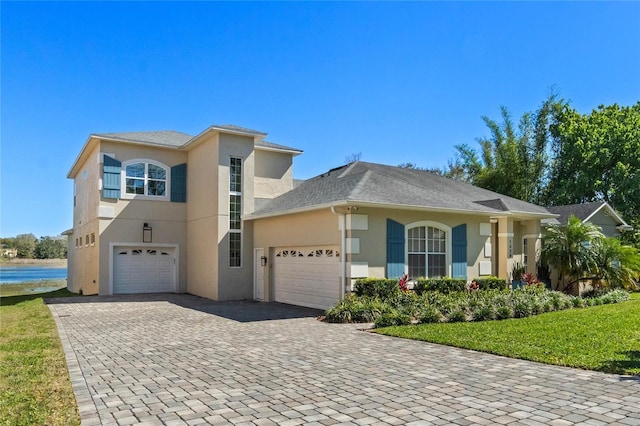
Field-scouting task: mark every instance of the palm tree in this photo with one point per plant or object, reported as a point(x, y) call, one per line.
point(617, 265)
point(571, 250)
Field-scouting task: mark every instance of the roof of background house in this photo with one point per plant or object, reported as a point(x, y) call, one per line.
point(583, 211)
point(382, 185)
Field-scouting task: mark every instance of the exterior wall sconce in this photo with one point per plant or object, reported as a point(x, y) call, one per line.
point(147, 233)
point(263, 261)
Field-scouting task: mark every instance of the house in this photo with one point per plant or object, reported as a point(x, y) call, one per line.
point(219, 215)
point(9, 253)
point(599, 213)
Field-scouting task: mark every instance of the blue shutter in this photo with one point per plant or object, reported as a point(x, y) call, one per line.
point(395, 249)
point(179, 183)
point(111, 177)
point(459, 255)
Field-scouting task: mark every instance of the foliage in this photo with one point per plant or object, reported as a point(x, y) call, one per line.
point(443, 285)
point(433, 306)
point(50, 248)
point(376, 287)
point(491, 283)
point(392, 318)
point(604, 338)
point(34, 381)
point(517, 271)
point(597, 158)
point(26, 245)
point(568, 250)
point(616, 265)
point(513, 160)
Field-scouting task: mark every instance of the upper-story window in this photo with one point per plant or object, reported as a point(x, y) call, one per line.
point(145, 178)
point(235, 211)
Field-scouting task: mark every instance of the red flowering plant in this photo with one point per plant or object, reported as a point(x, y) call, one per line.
point(402, 282)
point(473, 286)
point(529, 279)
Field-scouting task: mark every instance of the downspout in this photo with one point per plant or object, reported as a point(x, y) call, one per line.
point(343, 245)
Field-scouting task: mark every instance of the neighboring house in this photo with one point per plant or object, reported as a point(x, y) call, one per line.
point(598, 213)
point(9, 253)
point(219, 215)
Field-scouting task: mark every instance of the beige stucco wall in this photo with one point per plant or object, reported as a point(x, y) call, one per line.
point(607, 223)
point(202, 218)
point(316, 228)
point(373, 242)
point(273, 173)
point(82, 271)
point(235, 283)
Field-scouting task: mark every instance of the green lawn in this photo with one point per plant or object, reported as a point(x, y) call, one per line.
point(603, 338)
point(34, 382)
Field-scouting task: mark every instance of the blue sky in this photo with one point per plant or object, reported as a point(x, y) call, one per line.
point(398, 82)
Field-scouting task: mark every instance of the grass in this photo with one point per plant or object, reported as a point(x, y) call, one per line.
point(34, 381)
point(602, 338)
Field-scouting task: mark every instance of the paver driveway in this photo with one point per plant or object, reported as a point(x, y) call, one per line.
point(180, 359)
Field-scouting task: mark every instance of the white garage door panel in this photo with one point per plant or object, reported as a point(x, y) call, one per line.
point(307, 276)
point(143, 270)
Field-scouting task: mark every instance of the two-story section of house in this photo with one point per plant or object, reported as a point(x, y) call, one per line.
point(162, 211)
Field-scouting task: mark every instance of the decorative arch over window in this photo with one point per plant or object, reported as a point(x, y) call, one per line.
point(145, 178)
point(428, 246)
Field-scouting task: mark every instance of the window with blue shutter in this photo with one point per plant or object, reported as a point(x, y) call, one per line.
point(111, 177)
point(179, 183)
point(459, 247)
point(395, 249)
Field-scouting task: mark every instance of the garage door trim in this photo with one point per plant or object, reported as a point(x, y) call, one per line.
point(175, 248)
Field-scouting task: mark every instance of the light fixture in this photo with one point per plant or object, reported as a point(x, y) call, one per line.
point(263, 261)
point(147, 233)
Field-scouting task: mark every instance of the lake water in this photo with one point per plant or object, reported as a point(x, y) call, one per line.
point(14, 275)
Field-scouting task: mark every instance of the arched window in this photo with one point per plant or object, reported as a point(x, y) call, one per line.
point(145, 178)
point(428, 251)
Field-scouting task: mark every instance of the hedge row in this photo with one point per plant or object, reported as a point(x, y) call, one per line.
point(384, 288)
point(409, 308)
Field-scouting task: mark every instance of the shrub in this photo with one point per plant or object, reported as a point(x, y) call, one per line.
point(392, 318)
point(442, 285)
point(457, 315)
point(429, 314)
point(357, 309)
point(503, 312)
point(484, 312)
point(382, 288)
point(488, 283)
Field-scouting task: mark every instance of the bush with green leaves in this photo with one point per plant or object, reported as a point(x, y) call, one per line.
point(442, 285)
point(382, 288)
point(391, 318)
point(491, 283)
point(357, 309)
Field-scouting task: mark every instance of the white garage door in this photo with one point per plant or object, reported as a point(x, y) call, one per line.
point(143, 270)
point(307, 276)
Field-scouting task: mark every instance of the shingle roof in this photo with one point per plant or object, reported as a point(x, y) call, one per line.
point(272, 145)
point(234, 128)
point(581, 211)
point(394, 186)
point(160, 137)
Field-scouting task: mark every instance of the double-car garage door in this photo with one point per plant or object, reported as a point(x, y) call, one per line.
point(307, 276)
point(144, 270)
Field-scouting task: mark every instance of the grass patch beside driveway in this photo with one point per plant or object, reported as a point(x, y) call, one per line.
point(602, 338)
point(34, 381)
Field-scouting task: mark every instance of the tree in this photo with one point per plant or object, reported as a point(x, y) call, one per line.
point(617, 265)
point(568, 249)
point(353, 157)
point(50, 248)
point(513, 160)
point(597, 158)
point(25, 244)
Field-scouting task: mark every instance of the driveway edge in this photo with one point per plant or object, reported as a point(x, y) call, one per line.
point(86, 406)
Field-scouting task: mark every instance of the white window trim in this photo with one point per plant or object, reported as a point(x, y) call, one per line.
point(146, 161)
point(427, 223)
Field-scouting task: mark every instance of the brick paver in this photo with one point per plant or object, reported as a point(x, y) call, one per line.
point(184, 360)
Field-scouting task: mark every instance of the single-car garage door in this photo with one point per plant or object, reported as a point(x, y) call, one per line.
point(307, 276)
point(143, 270)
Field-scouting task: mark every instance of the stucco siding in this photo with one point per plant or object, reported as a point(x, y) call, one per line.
point(606, 223)
point(273, 174)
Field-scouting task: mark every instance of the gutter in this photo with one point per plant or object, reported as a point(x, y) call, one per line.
point(343, 245)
